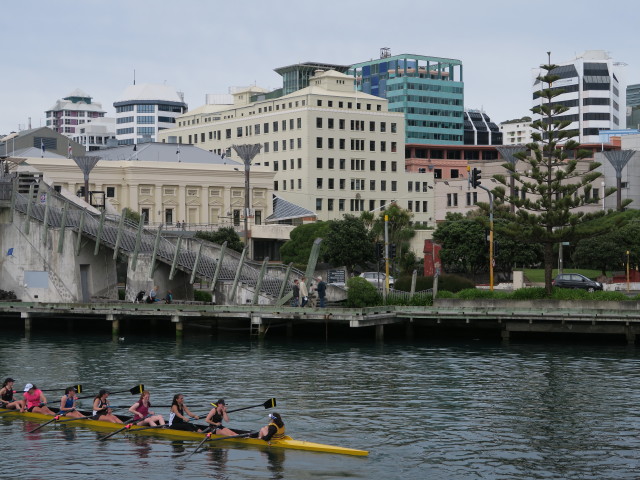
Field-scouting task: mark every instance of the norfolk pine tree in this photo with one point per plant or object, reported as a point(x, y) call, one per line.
point(554, 185)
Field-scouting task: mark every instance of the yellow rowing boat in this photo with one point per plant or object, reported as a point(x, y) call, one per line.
point(286, 442)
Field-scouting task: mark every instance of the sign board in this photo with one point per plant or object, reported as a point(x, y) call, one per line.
point(336, 276)
point(43, 198)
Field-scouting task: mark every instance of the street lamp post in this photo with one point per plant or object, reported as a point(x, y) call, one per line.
point(603, 190)
point(247, 153)
point(619, 160)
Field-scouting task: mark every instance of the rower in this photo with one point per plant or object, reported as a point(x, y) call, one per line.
point(215, 417)
point(6, 396)
point(35, 401)
point(68, 403)
point(101, 410)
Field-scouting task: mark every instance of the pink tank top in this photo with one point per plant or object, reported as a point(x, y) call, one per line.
point(33, 399)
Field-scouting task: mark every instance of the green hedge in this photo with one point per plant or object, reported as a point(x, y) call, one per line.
point(452, 283)
point(537, 294)
point(361, 294)
point(202, 296)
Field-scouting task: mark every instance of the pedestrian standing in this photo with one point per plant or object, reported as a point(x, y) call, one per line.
point(322, 291)
point(295, 289)
point(304, 292)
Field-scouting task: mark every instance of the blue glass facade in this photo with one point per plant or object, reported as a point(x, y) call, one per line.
point(428, 90)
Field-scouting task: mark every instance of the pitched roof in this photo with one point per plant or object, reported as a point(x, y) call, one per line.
point(163, 152)
point(284, 210)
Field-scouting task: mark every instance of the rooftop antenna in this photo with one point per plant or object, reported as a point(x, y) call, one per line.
point(134, 76)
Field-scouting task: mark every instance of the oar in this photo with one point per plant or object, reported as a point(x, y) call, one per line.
point(208, 438)
point(78, 418)
point(138, 389)
point(126, 426)
point(271, 403)
point(45, 424)
point(78, 389)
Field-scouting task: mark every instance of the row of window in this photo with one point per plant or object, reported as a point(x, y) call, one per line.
point(428, 111)
point(424, 86)
point(356, 184)
point(356, 144)
point(355, 125)
point(357, 164)
point(145, 119)
point(341, 104)
point(355, 204)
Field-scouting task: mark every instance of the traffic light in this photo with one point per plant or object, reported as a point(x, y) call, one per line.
point(379, 250)
point(392, 250)
point(475, 177)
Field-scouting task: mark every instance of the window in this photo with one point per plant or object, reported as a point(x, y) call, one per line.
point(228, 133)
point(341, 124)
point(372, 165)
point(372, 126)
point(284, 145)
point(472, 198)
point(319, 103)
point(111, 192)
point(299, 142)
point(318, 142)
point(319, 162)
point(266, 127)
point(410, 206)
point(265, 148)
point(342, 144)
point(372, 145)
point(330, 204)
point(383, 165)
point(330, 184)
point(393, 128)
point(299, 123)
point(372, 185)
point(394, 186)
point(383, 146)
point(299, 163)
point(383, 185)
point(330, 123)
point(284, 164)
point(256, 128)
point(394, 166)
point(318, 204)
point(291, 123)
point(330, 103)
point(437, 173)
point(275, 126)
point(341, 204)
point(330, 143)
point(394, 146)
point(275, 185)
point(146, 108)
point(284, 125)
point(383, 127)
point(342, 184)
point(319, 182)
point(343, 164)
point(275, 145)
point(452, 199)
point(275, 165)
point(299, 184)
point(146, 119)
point(239, 132)
point(331, 163)
point(318, 122)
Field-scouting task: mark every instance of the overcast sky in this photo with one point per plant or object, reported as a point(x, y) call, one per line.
point(199, 47)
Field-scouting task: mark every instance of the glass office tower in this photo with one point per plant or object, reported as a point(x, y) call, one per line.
point(428, 90)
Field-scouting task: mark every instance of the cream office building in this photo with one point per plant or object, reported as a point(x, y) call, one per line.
point(333, 150)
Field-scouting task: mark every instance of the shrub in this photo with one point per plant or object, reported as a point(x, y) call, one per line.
point(452, 283)
point(534, 293)
point(417, 299)
point(202, 296)
point(445, 294)
point(361, 293)
point(121, 294)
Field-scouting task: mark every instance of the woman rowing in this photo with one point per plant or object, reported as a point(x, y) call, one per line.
point(215, 417)
point(101, 410)
point(6, 396)
point(35, 401)
point(141, 413)
point(68, 403)
point(177, 419)
point(274, 430)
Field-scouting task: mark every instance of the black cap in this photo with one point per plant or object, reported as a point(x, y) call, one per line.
point(8, 379)
point(221, 402)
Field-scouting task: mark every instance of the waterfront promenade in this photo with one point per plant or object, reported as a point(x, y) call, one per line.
point(494, 318)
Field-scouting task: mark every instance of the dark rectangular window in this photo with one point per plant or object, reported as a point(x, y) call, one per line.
point(331, 162)
point(318, 142)
point(266, 128)
point(319, 162)
point(329, 122)
point(319, 182)
point(318, 122)
point(275, 126)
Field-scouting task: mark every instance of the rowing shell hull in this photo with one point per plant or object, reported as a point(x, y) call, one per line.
point(287, 442)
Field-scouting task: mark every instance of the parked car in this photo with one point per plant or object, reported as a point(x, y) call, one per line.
point(377, 279)
point(575, 280)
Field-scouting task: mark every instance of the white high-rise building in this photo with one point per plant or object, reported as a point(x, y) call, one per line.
point(517, 132)
point(593, 89)
point(144, 110)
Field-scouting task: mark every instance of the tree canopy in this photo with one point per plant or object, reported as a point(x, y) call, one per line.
point(298, 248)
point(224, 234)
point(349, 243)
point(554, 182)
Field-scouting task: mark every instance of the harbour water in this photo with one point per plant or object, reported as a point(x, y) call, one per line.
point(424, 410)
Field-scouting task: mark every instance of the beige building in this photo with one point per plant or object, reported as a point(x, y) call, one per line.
point(332, 150)
point(517, 132)
point(167, 186)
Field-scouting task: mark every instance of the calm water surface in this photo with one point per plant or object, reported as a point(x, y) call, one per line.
point(424, 410)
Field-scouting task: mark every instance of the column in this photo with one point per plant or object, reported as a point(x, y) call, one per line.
point(379, 333)
point(179, 325)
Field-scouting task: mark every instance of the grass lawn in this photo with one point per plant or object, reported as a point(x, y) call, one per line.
point(537, 274)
